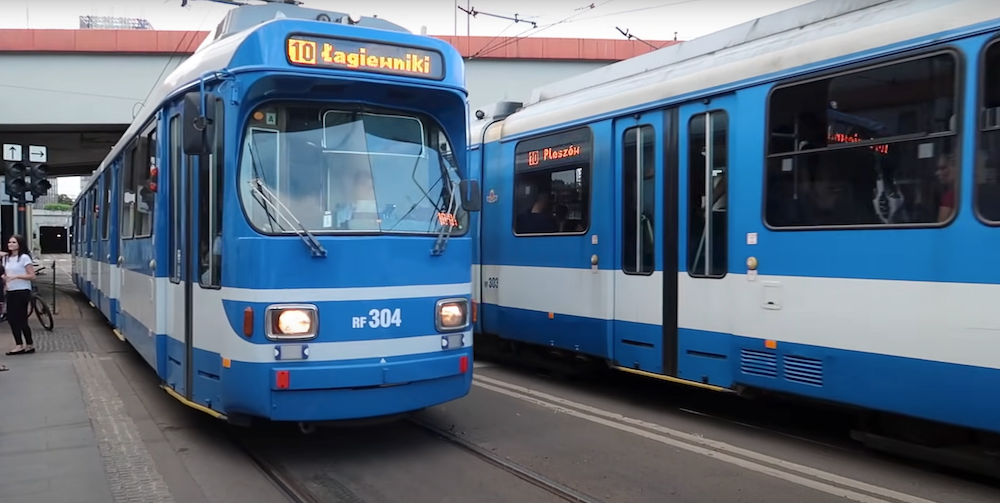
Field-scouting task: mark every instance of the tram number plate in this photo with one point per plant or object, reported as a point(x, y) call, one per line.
point(378, 318)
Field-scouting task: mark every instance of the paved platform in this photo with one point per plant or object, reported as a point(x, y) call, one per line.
point(65, 434)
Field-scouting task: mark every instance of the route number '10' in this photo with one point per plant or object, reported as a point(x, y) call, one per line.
point(384, 318)
point(302, 52)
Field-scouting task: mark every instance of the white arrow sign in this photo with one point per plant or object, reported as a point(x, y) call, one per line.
point(12, 152)
point(38, 153)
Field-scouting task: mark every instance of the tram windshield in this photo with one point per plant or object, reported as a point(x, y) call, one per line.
point(337, 171)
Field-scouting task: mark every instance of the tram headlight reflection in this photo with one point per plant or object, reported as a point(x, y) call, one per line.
point(294, 322)
point(451, 314)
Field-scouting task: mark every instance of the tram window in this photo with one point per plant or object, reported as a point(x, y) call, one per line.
point(638, 190)
point(708, 196)
point(987, 191)
point(105, 209)
point(145, 163)
point(552, 184)
point(92, 234)
point(551, 202)
point(128, 195)
point(174, 164)
point(89, 201)
point(210, 192)
point(871, 147)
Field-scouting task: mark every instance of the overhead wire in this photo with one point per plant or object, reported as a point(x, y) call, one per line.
point(65, 91)
point(487, 44)
point(571, 19)
point(522, 35)
point(630, 11)
point(184, 40)
point(500, 45)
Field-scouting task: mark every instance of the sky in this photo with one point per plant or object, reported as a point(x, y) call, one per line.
point(645, 19)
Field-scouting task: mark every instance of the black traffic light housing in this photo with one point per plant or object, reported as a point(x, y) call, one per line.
point(40, 184)
point(14, 183)
point(21, 178)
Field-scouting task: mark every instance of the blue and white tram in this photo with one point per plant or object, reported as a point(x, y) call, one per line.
point(293, 237)
point(806, 204)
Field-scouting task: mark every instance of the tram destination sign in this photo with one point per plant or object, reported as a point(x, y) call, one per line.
point(361, 56)
point(556, 155)
point(560, 149)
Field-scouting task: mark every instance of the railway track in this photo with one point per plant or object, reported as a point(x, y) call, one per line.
point(560, 490)
point(336, 490)
point(813, 422)
point(294, 489)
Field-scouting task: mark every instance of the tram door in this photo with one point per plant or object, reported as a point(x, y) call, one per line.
point(644, 334)
point(195, 275)
point(86, 252)
point(703, 297)
point(104, 249)
point(96, 250)
point(179, 190)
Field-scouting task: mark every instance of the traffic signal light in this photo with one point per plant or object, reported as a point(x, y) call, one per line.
point(14, 183)
point(40, 183)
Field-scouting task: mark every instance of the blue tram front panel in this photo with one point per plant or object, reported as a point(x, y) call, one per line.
point(348, 352)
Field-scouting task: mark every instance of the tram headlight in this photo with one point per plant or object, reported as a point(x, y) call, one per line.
point(292, 322)
point(451, 314)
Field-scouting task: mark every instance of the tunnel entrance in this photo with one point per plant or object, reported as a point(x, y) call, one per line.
point(53, 239)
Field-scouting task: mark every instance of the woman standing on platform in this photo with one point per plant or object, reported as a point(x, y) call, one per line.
point(18, 275)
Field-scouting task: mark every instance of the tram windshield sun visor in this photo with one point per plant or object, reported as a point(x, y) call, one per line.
point(349, 171)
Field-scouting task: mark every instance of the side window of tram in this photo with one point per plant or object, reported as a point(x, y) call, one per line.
point(210, 190)
point(127, 210)
point(551, 202)
point(145, 184)
point(552, 184)
point(708, 195)
point(638, 191)
point(987, 191)
point(105, 208)
point(875, 146)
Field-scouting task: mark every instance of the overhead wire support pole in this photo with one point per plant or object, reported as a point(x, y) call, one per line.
point(473, 12)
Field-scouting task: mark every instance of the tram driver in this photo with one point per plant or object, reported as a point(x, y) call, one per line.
point(350, 192)
point(540, 218)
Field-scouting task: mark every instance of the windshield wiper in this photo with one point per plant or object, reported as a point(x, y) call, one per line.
point(426, 196)
point(445, 233)
point(447, 191)
point(258, 196)
point(266, 196)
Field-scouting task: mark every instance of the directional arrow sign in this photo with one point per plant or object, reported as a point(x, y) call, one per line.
point(12, 153)
point(38, 153)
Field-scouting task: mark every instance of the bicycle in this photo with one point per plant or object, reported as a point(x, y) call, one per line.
point(39, 307)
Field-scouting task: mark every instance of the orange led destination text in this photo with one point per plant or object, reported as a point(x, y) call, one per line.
point(843, 138)
point(304, 52)
point(447, 220)
point(551, 154)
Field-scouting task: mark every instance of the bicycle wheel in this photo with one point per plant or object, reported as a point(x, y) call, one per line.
point(43, 312)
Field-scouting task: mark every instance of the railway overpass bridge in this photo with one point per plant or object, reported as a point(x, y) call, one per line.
point(75, 92)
